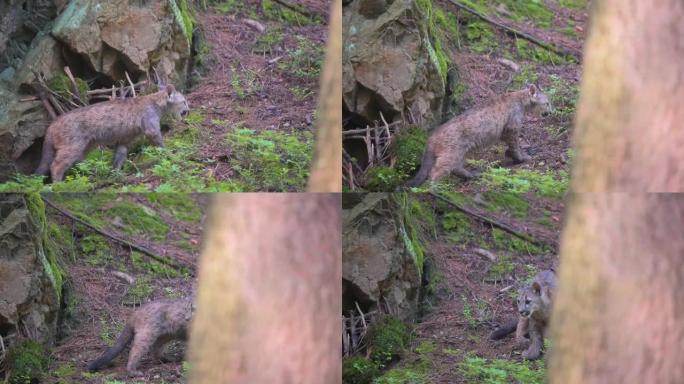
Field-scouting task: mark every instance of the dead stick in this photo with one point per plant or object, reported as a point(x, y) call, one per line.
point(130, 82)
point(517, 33)
point(46, 104)
point(77, 93)
point(114, 237)
point(492, 222)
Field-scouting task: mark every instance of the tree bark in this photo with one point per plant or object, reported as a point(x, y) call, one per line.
point(619, 314)
point(326, 168)
point(619, 311)
point(629, 134)
point(270, 291)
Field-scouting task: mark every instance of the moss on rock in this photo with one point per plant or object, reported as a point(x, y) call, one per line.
point(387, 339)
point(28, 362)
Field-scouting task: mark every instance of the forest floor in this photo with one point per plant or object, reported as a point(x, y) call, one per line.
point(476, 272)
point(253, 98)
point(107, 280)
point(479, 51)
point(546, 139)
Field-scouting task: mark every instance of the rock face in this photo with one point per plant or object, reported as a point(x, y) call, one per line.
point(29, 300)
point(99, 41)
point(389, 64)
point(378, 262)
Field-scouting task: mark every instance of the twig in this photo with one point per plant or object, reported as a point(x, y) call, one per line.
point(485, 253)
point(112, 236)
point(512, 31)
point(77, 93)
point(493, 222)
point(130, 82)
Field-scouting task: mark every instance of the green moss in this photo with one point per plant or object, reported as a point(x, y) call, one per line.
point(480, 37)
point(387, 340)
point(479, 370)
point(271, 160)
point(419, 223)
point(574, 4)
point(413, 373)
point(97, 250)
point(27, 362)
point(382, 178)
point(546, 184)
point(275, 11)
point(434, 42)
point(504, 240)
point(62, 85)
point(195, 118)
point(139, 220)
point(408, 146)
point(528, 51)
point(183, 16)
point(179, 205)
point(533, 10)
point(509, 202)
point(458, 226)
point(426, 347)
point(358, 370)
point(154, 267)
point(48, 249)
point(64, 373)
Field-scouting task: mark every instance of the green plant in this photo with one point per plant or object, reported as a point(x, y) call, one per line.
point(271, 160)
point(141, 290)
point(546, 184)
point(109, 331)
point(27, 362)
point(407, 147)
point(266, 43)
point(504, 240)
point(358, 370)
point(468, 315)
point(480, 37)
point(387, 338)
point(97, 250)
point(501, 269)
point(459, 227)
point(304, 61)
point(382, 178)
point(479, 370)
point(138, 219)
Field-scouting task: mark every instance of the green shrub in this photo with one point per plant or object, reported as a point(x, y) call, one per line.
point(480, 370)
point(358, 370)
point(28, 362)
point(408, 146)
point(387, 339)
point(382, 179)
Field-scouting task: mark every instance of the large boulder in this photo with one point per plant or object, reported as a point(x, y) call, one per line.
point(115, 36)
point(390, 65)
point(379, 265)
point(29, 281)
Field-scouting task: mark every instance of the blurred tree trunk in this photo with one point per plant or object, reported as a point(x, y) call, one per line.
point(629, 134)
point(270, 293)
point(619, 313)
point(326, 169)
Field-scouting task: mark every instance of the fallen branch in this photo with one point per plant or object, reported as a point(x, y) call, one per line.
point(517, 33)
point(299, 10)
point(112, 236)
point(494, 223)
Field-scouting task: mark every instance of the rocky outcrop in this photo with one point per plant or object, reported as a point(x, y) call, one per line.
point(378, 261)
point(29, 282)
point(98, 40)
point(389, 63)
